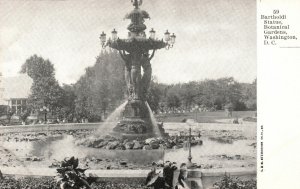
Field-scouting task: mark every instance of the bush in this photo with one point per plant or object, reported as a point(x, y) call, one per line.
point(228, 182)
point(50, 183)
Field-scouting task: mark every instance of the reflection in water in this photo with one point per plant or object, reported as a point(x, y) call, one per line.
point(212, 148)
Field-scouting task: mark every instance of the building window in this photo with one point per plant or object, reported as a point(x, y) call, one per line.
point(18, 105)
point(24, 102)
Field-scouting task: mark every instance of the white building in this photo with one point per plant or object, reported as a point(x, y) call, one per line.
point(14, 92)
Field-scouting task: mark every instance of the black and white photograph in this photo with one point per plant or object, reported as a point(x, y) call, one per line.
point(128, 94)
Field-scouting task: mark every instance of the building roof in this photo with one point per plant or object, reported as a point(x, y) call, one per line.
point(15, 87)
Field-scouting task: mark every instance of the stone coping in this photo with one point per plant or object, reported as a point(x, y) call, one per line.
point(221, 172)
point(193, 173)
point(49, 127)
point(74, 126)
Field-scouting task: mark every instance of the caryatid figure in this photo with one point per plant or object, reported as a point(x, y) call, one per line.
point(146, 79)
point(136, 74)
point(137, 85)
point(128, 79)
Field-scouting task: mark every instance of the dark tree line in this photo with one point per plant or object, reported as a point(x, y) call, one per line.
point(102, 88)
point(208, 95)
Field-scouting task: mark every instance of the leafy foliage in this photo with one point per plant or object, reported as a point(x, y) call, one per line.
point(3, 110)
point(208, 94)
point(67, 111)
point(228, 182)
point(45, 90)
point(173, 100)
point(37, 67)
point(155, 95)
point(24, 115)
point(250, 94)
point(101, 89)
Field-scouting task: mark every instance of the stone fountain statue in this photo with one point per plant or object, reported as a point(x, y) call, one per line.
point(137, 52)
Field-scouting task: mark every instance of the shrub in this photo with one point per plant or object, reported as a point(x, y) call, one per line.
point(228, 182)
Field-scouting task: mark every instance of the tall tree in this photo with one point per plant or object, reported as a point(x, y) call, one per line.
point(45, 90)
point(155, 95)
point(250, 93)
point(101, 89)
point(37, 67)
point(68, 103)
point(173, 101)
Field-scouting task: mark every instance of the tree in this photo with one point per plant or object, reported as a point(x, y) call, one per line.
point(24, 115)
point(37, 67)
point(3, 110)
point(209, 95)
point(173, 101)
point(68, 102)
point(250, 93)
point(188, 93)
point(101, 89)
point(9, 114)
point(155, 95)
point(228, 91)
point(84, 94)
point(45, 90)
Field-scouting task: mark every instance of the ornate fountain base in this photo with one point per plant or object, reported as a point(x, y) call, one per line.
point(137, 122)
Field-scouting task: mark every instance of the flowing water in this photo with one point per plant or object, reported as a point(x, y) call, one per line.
point(153, 122)
point(111, 121)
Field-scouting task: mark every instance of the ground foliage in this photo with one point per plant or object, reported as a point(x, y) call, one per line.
point(228, 182)
point(50, 183)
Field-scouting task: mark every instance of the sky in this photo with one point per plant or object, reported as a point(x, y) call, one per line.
point(215, 38)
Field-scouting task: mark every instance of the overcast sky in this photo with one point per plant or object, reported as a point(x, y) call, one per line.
point(215, 38)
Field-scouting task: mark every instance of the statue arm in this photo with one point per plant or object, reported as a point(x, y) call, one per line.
point(124, 56)
point(152, 55)
point(126, 59)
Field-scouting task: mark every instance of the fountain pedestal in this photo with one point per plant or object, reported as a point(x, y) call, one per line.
point(137, 122)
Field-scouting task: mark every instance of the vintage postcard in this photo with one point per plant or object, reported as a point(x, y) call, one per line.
point(133, 94)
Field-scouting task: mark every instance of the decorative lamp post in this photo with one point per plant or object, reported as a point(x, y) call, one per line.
point(197, 109)
point(172, 40)
point(114, 35)
point(152, 34)
point(167, 36)
point(44, 110)
point(103, 39)
point(189, 163)
point(137, 51)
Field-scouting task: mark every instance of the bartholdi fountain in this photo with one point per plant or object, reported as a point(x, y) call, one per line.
point(138, 120)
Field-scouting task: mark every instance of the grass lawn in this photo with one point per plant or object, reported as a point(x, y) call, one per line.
point(203, 117)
